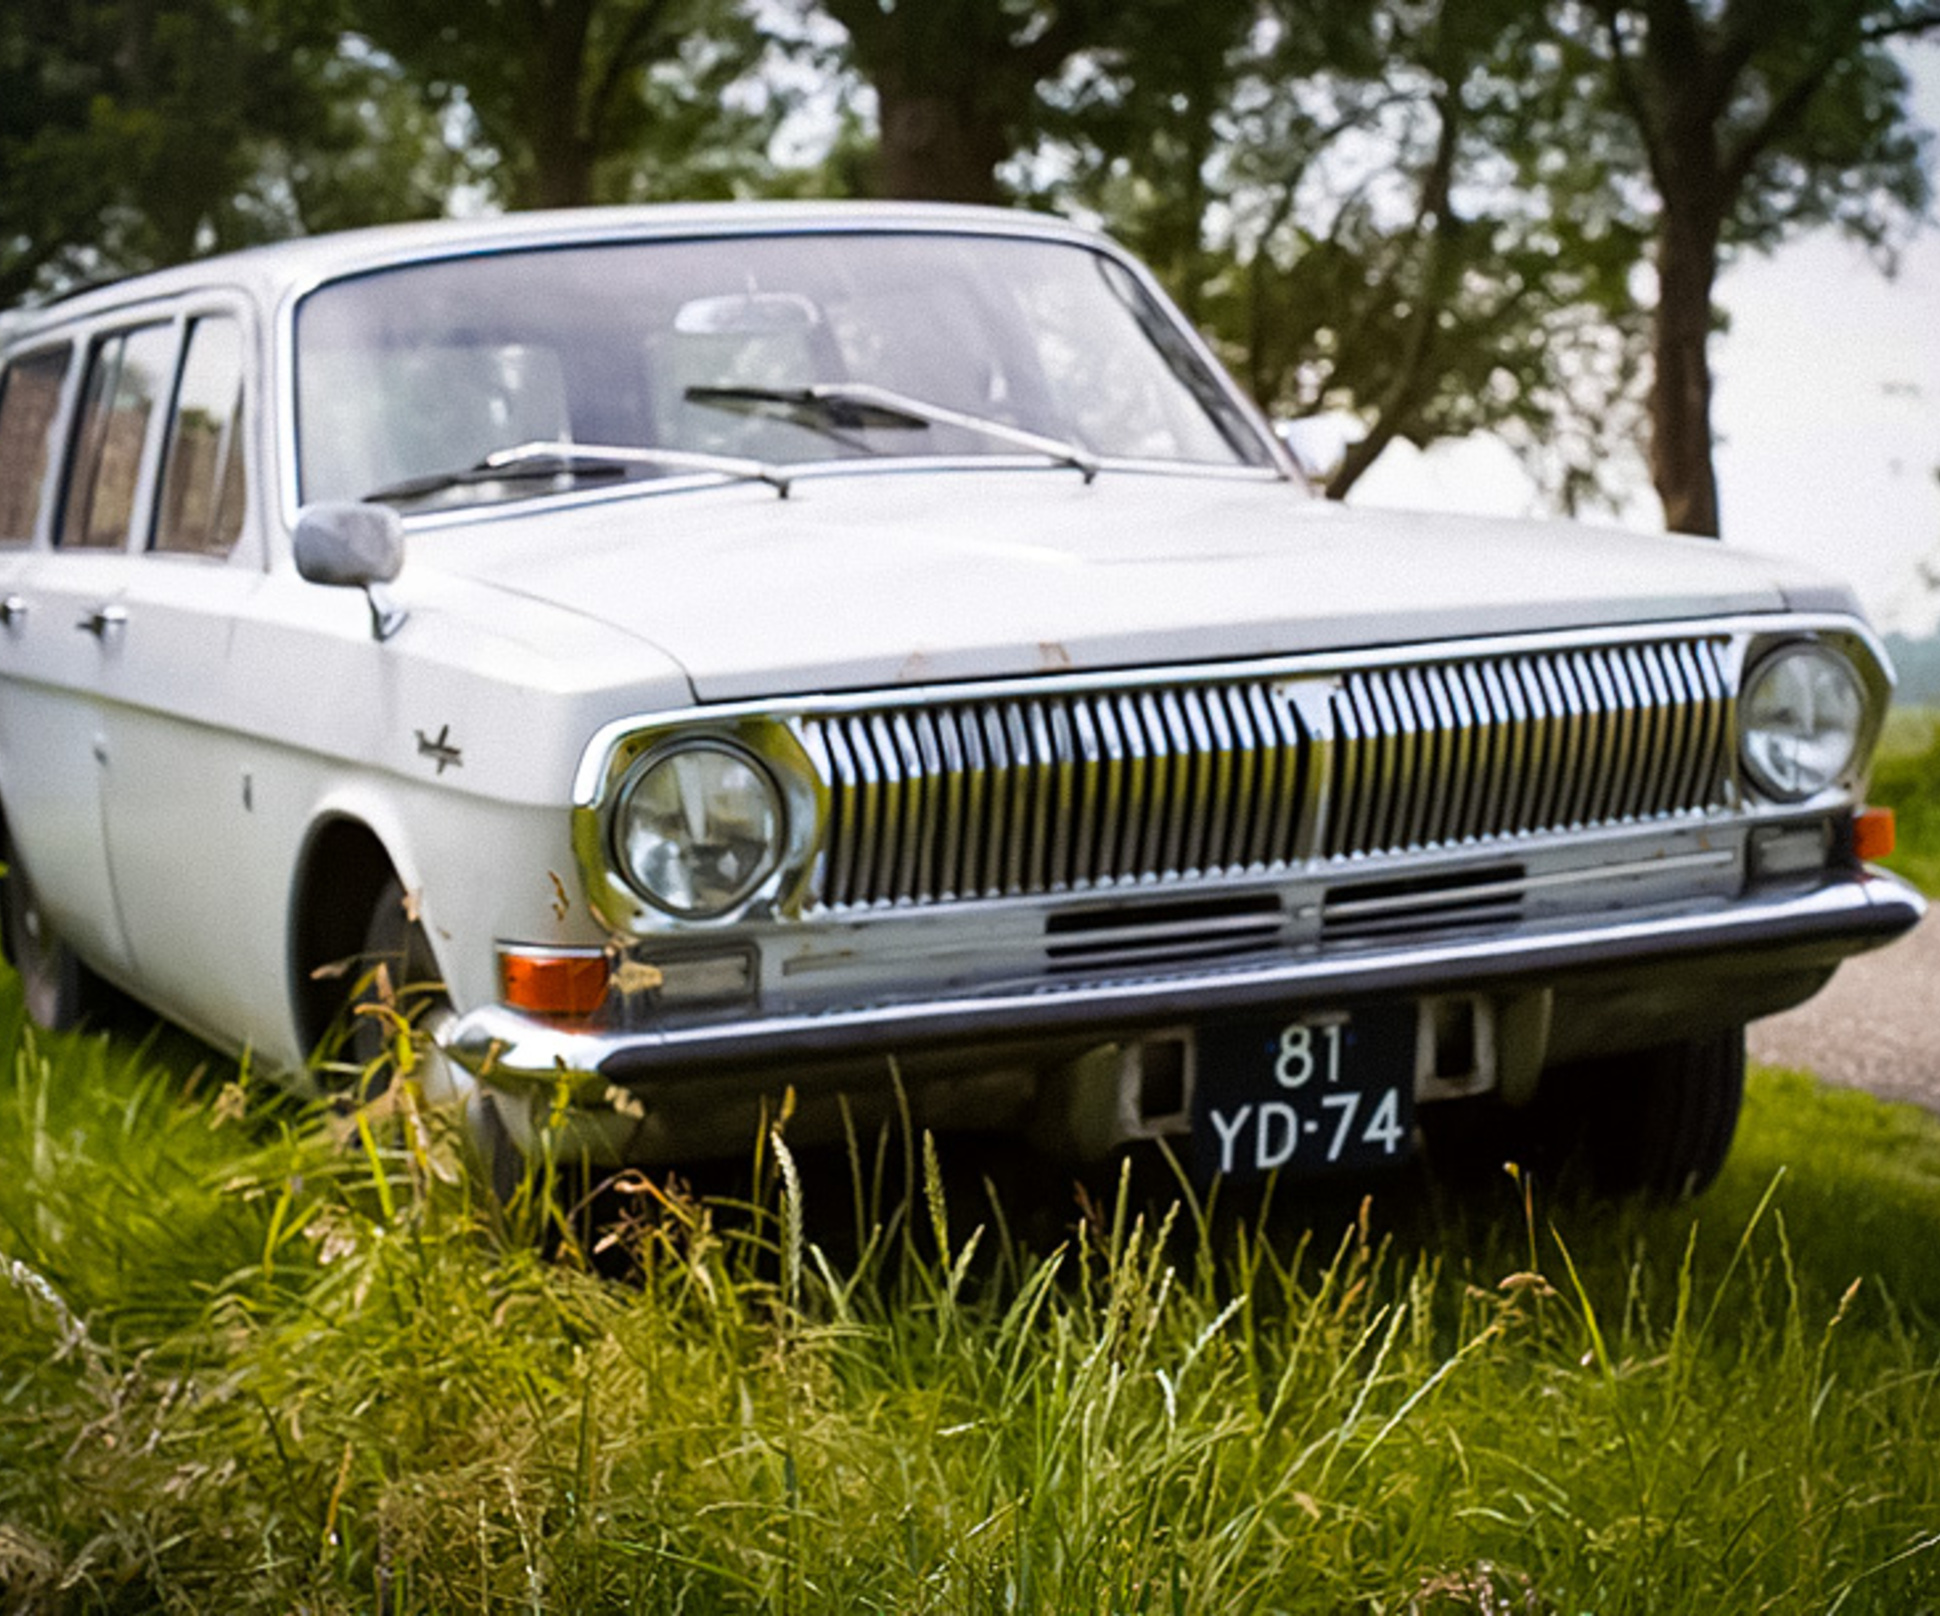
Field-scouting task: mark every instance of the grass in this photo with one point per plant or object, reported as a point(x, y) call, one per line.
point(1906, 778)
point(250, 1361)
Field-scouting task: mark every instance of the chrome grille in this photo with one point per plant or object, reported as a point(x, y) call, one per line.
point(1051, 793)
point(1084, 790)
point(1449, 753)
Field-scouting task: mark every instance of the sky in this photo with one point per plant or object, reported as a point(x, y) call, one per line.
point(1826, 407)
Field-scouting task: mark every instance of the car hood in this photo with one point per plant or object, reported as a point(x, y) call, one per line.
point(885, 578)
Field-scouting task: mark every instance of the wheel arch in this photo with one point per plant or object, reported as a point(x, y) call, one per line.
point(342, 869)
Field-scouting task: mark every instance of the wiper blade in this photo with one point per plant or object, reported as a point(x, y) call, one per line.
point(851, 406)
point(485, 471)
point(546, 458)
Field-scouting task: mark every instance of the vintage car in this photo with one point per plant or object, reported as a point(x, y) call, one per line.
point(875, 652)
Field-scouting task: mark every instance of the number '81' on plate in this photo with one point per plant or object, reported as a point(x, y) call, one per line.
point(1303, 1094)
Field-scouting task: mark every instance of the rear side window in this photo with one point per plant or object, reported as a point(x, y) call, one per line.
point(30, 397)
point(127, 375)
point(202, 492)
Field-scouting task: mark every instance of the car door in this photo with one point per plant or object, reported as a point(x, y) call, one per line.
point(65, 637)
point(199, 892)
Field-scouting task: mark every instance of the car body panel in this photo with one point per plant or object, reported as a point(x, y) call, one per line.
point(992, 573)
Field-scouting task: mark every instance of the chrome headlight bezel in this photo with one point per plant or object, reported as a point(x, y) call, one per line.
point(1823, 715)
point(680, 767)
point(618, 759)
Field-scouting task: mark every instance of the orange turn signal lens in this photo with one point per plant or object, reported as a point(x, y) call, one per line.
point(1872, 833)
point(556, 982)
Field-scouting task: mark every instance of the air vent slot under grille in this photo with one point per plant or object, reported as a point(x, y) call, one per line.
point(1093, 790)
point(1158, 933)
point(1424, 904)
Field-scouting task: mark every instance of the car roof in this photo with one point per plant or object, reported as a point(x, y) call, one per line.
point(271, 272)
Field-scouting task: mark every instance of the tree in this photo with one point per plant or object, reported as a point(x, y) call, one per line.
point(1754, 118)
point(580, 101)
point(1373, 208)
point(959, 83)
point(134, 134)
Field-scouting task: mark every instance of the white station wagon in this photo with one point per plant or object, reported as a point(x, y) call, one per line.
point(875, 651)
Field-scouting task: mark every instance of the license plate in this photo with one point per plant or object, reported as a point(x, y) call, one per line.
point(1303, 1094)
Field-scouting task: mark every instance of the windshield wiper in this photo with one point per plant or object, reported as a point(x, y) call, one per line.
point(835, 407)
point(545, 458)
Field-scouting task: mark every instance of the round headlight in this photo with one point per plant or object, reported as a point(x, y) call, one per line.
point(698, 829)
point(1800, 717)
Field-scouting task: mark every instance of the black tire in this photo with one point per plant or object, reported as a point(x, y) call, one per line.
point(416, 991)
point(59, 991)
point(396, 975)
point(1657, 1123)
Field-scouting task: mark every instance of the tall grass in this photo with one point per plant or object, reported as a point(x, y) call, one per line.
point(248, 1364)
point(1906, 778)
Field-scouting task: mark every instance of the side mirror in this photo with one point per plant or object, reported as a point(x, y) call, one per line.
point(1318, 444)
point(345, 544)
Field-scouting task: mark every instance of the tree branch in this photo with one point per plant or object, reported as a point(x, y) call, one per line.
point(641, 26)
point(1785, 112)
point(1071, 26)
point(1631, 93)
point(1920, 22)
point(1404, 392)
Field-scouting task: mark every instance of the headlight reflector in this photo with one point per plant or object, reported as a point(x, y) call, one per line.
point(1800, 717)
point(698, 829)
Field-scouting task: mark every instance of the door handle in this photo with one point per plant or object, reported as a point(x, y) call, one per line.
point(12, 610)
point(104, 620)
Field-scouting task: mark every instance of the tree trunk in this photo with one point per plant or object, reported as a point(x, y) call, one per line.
point(554, 112)
point(562, 175)
point(1680, 397)
point(938, 146)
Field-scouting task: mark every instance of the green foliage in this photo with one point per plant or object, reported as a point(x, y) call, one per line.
point(243, 1367)
point(1429, 217)
point(1393, 212)
point(1789, 113)
point(133, 135)
point(606, 101)
point(1906, 778)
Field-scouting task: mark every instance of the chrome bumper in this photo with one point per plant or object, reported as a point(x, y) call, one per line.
point(1788, 932)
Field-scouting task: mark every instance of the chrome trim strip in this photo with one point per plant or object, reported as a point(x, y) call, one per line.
point(1851, 912)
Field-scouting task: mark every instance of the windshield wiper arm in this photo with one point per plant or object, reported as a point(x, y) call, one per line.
point(851, 406)
point(547, 458)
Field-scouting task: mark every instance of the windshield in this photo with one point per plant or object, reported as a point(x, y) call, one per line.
point(410, 377)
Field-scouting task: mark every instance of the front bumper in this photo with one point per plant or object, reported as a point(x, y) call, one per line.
point(1723, 961)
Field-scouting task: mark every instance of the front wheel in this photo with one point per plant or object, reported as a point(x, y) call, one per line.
point(1657, 1123)
point(400, 999)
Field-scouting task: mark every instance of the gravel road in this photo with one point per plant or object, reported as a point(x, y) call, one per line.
point(1875, 1026)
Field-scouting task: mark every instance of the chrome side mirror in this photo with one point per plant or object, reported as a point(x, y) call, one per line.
point(345, 544)
point(1318, 444)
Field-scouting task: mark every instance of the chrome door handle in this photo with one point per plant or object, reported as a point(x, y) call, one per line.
point(12, 609)
point(103, 620)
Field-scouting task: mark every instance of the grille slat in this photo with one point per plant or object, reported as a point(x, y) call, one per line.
point(1082, 791)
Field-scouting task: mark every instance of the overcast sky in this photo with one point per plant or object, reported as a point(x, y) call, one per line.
point(1827, 408)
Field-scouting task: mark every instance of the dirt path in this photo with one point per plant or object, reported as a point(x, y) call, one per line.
point(1876, 1026)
